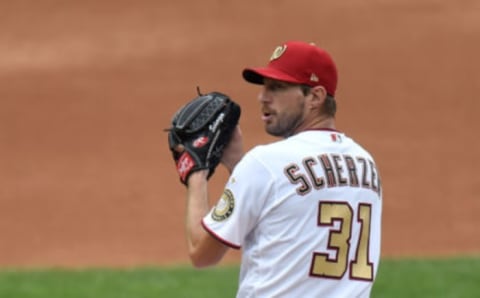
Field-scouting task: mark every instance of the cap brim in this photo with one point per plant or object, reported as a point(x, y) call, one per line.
point(258, 74)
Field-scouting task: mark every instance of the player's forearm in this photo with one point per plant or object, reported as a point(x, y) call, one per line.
point(203, 249)
point(197, 208)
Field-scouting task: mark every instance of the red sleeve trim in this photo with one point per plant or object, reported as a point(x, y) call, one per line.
point(216, 236)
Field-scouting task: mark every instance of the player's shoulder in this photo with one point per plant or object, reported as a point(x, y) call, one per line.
point(306, 141)
point(360, 148)
point(297, 142)
point(256, 160)
point(262, 156)
point(266, 151)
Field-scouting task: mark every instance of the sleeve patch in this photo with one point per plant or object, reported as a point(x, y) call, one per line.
point(224, 207)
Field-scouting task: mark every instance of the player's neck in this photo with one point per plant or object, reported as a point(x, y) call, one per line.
point(322, 123)
point(327, 123)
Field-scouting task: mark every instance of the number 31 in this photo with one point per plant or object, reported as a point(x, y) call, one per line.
point(339, 240)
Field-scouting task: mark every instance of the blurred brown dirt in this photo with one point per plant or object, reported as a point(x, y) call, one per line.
point(87, 87)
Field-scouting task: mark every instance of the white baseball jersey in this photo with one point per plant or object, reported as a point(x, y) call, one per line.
point(306, 211)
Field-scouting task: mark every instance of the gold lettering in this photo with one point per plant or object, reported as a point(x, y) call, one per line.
point(318, 182)
point(291, 171)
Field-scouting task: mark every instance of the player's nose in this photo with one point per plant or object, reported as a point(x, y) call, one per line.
point(263, 96)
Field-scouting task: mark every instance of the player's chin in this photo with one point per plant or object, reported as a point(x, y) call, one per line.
point(268, 123)
point(274, 130)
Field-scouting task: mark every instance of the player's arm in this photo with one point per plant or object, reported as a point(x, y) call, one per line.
point(233, 152)
point(204, 250)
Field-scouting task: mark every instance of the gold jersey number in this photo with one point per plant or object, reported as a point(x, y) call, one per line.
point(323, 265)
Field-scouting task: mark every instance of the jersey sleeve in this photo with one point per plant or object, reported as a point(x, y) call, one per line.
point(241, 204)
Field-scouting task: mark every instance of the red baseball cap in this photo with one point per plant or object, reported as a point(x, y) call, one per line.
point(300, 63)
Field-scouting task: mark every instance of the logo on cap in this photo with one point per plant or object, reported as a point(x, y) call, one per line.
point(278, 52)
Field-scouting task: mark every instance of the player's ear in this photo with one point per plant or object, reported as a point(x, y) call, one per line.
point(319, 94)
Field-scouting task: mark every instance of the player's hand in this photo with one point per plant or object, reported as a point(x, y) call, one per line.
point(199, 132)
point(233, 152)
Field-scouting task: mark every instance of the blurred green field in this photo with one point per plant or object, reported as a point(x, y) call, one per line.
point(455, 278)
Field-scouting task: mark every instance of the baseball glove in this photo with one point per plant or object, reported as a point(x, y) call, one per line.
point(200, 131)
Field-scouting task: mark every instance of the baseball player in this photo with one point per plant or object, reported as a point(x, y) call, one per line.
point(306, 209)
